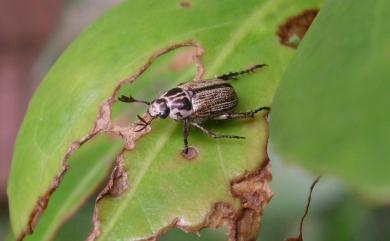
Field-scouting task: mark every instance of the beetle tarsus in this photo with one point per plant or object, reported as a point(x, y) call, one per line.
point(253, 112)
point(234, 75)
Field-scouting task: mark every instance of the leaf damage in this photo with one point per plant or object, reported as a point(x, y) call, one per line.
point(254, 192)
point(44, 199)
point(300, 236)
point(292, 31)
point(185, 4)
point(119, 178)
point(182, 59)
point(117, 184)
point(104, 124)
point(252, 189)
point(242, 223)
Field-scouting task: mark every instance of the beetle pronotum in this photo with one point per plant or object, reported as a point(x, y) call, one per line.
point(196, 102)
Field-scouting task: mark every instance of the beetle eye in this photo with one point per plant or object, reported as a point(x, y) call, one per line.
point(165, 112)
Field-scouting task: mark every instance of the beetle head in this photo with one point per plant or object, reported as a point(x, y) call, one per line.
point(159, 108)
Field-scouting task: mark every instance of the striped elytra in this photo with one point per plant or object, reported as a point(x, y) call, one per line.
point(210, 98)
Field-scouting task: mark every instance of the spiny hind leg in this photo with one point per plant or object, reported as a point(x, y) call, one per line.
point(212, 134)
point(241, 115)
point(234, 75)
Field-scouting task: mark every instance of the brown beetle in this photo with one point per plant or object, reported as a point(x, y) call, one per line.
point(198, 101)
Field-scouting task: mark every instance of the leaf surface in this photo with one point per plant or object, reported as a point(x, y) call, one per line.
point(235, 35)
point(87, 170)
point(330, 111)
point(163, 188)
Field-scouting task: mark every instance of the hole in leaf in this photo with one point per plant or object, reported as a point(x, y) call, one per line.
point(185, 4)
point(184, 58)
point(292, 31)
point(119, 179)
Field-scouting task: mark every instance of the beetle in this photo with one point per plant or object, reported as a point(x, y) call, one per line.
point(195, 102)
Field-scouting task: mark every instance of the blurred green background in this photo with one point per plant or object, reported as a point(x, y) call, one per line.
point(30, 43)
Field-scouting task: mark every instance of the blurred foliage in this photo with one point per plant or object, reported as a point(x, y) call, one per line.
point(330, 113)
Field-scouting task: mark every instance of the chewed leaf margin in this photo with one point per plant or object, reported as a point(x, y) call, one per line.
point(251, 189)
point(103, 123)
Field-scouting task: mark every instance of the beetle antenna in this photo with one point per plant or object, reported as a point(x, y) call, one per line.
point(130, 99)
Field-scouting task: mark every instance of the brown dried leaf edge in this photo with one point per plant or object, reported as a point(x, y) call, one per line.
point(300, 235)
point(252, 189)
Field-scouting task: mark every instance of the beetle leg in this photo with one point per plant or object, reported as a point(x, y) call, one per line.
point(234, 75)
point(241, 115)
point(213, 135)
point(186, 133)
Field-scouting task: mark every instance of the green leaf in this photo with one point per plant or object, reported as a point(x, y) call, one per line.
point(163, 187)
point(330, 114)
point(79, 226)
point(235, 35)
point(87, 169)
